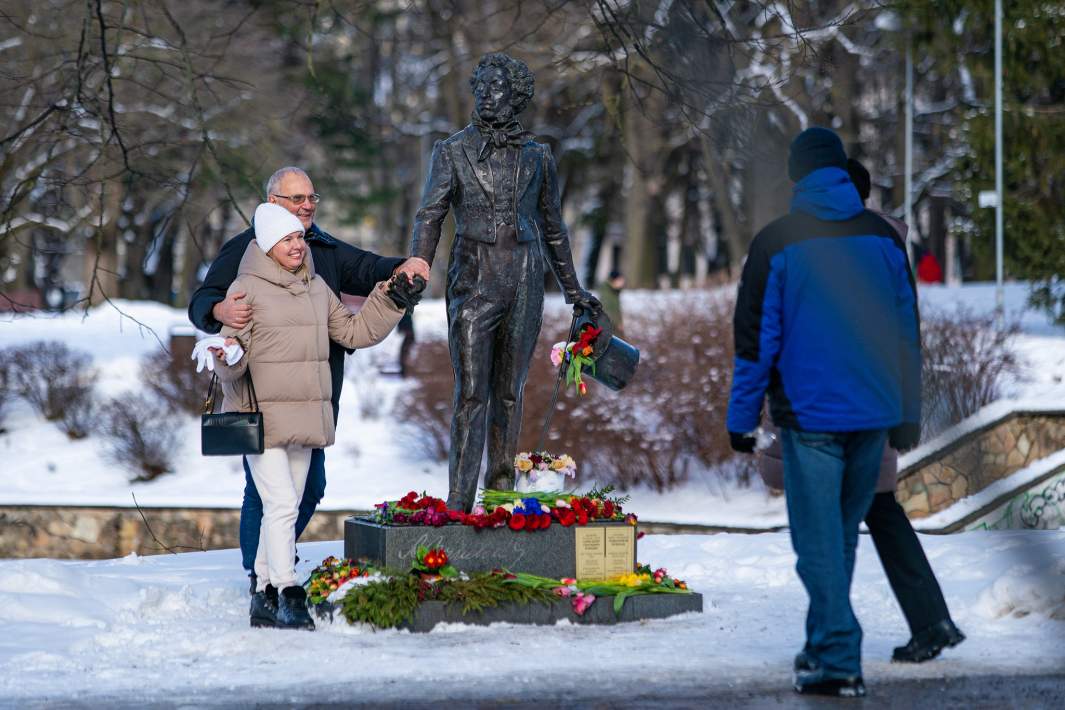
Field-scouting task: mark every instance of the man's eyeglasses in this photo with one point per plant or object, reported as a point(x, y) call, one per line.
point(314, 198)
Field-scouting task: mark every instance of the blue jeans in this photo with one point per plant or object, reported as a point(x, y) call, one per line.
point(829, 483)
point(251, 510)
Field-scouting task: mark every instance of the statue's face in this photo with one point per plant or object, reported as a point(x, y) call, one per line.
point(491, 93)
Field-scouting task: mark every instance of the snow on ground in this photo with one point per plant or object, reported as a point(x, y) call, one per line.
point(171, 625)
point(371, 461)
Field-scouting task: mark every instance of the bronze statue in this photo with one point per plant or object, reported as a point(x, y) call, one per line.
point(503, 188)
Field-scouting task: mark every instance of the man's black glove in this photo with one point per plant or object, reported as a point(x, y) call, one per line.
point(586, 302)
point(905, 436)
point(405, 293)
point(743, 443)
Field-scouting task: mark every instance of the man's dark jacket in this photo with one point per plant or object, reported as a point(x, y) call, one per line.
point(343, 267)
point(826, 318)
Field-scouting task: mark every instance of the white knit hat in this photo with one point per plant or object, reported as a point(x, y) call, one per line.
point(273, 223)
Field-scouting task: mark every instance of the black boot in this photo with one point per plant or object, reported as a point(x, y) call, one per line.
point(927, 643)
point(254, 583)
point(264, 607)
point(292, 609)
point(814, 683)
point(804, 662)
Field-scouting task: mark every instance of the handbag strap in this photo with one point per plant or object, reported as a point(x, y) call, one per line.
point(208, 403)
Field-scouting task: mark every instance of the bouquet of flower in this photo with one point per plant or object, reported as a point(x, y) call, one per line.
point(541, 471)
point(432, 563)
point(333, 574)
point(578, 355)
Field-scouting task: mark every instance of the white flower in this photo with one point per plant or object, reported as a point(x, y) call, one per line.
point(544, 508)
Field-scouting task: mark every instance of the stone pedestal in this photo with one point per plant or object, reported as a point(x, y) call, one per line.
point(548, 553)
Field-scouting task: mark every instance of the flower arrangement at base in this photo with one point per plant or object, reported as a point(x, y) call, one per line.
point(543, 472)
point(389, 599)
point(531, 510)
point(333, 575)
point(583, 593)
point(577, 355)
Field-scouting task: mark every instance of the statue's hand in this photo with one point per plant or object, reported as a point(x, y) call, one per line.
point(585, 302)
point(405, 293)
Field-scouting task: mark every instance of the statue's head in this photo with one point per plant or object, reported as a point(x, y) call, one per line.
point(502, 87)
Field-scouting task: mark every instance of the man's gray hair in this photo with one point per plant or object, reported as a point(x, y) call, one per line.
point(278, 176)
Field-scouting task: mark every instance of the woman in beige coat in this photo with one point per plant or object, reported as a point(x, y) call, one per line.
point(286, 353)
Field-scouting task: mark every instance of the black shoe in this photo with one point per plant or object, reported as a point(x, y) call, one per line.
point(292, 609)
point(815, 683)
point(927, 643)
point(804, 662)
point(254, 583)
point(264, 608)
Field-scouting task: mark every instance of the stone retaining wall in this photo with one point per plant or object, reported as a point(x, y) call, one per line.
point(978, 459)
point(102, 533)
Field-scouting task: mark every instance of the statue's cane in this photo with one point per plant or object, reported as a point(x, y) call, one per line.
point(558, 383)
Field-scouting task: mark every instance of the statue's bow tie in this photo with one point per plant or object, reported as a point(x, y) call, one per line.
point(509, 133)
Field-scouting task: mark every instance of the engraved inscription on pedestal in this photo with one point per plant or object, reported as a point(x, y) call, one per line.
point(590, 550)
point(620, 550)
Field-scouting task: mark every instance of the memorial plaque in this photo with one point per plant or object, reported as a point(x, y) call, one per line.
point(620, 550)
point(590, 552)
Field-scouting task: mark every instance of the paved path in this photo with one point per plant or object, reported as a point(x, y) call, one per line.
point(986, 691)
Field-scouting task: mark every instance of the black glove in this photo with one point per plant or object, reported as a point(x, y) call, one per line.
point(905, 436)
point(743, 443)
point(584, 301)
point(405, 293)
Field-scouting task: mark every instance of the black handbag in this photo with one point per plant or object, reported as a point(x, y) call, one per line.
point(231, 433)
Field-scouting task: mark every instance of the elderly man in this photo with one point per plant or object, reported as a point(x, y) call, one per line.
point(344, 268)
point(503, 189)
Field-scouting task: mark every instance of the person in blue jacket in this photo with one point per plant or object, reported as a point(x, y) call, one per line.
point(826, 324)
point(344, 268)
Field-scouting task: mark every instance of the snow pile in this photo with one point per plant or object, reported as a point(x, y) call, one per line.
point(156, 626)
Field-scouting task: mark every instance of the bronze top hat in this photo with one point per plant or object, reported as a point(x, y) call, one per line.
point(615, 360)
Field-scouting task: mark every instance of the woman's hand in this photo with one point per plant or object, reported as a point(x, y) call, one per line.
point(219, 352)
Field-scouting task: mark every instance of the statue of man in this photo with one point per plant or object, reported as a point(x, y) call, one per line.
point(503, 188)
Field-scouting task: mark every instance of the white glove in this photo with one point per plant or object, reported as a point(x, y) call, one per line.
point(205, 358)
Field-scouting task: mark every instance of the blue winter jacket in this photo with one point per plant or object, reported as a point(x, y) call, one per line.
point(826, 318)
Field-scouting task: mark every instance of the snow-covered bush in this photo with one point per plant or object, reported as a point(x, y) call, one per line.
point(175, 381)
point(967, 359)
point(79, 415)
point(140, 434)
point(664, 426)
point(56, 380)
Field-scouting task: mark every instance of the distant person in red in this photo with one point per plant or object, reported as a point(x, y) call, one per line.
point(928, 269)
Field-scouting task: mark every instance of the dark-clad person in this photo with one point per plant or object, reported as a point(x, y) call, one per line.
point(344, 269)
point(826, 324)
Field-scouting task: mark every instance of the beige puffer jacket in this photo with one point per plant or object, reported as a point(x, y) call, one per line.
point(286, 345)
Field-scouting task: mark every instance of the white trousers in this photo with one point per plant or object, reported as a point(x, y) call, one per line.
point(279, 475)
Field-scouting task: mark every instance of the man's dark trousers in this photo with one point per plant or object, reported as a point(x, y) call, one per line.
point(829, 483)
point(251, 509)
point(905, 563)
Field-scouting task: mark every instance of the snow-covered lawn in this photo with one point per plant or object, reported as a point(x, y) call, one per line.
point(370, 461)
point(170, 625)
